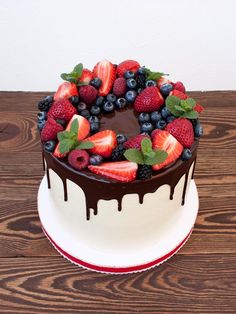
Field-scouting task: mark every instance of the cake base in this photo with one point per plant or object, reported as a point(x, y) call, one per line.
point(81, 247)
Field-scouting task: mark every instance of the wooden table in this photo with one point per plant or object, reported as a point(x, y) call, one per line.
point(34, 278)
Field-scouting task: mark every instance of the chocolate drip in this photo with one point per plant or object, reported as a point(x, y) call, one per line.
point(185, 187)
point(195, 160)
point(48, 178)
point(172, 190)
point(119, 201)
point(141, 196)
point(65, 190)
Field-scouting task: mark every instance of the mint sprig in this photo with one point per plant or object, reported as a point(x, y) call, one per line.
point(182, 108)
point(74, 75)
point(68, 139)
point(155, 76)
point(146, 156)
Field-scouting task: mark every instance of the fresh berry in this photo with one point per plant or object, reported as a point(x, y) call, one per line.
point(119, 87)
point(163, 80)
point(99, 101)
point(127, 65)
point(65, 91)
point(93, 119)
point(155, 116)
point(121, 138)
point(88, 94)
point(111, 97)
point(135, 141)
point(57, 153)
point(165, 89)
point(85, 113)
point(81, 106)
point(83, 126)
point(178, 94)
point(139, 90)
point(95, 110)
point(108, 107)
point(187, 154)
point(151, 83)
point(50, 130)
point(74, 100)
point(78, 159)
point(170, 118)
point(143, 117)
point(118, 153)
point(104, 143)
point(141, 70)
point(86, 76)
point(154, 132)
point(121, 103)
point(144, 172)
point(62, 122)
point(146, 127)
point(42, 116)
point(41, 124)
point(62, 109)
point(141, 80)
point(182, 130)
point(131, 95)
point(165, 112)
point(45, 103)
point(96, 82)
point(106, 71)
point(94, 127)
point(162, 139)
point(123, 171)
point(150, 99)
point(198, 130)
point(131, 83)
point(161, 124)
point(95, 160)
point(198, 108)
point(129, 74)
point(49, 146)
point(180, 87)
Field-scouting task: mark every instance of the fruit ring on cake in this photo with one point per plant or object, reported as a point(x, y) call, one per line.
point(118, 130)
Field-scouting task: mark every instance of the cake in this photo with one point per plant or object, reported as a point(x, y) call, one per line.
point(119, 147)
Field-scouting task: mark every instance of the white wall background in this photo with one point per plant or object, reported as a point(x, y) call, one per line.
point(194, 41)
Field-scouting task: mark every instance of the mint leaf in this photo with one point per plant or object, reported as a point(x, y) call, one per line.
point(171, 103)
point(154, 75)
point(66, 145)
point(64, 134)
point(74, 75)
point(85, 145)
point(179, 108)
point(68, 77)
point(146, 146)
point(134, 155)
point(191, 102)
point(74, 126)
point(185, 105)
point(190, 114)
point(78, 69)
point(157, 158)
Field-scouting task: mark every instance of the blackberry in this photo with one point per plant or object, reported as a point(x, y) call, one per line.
point(45, 103)
point(117, 153)
point(74, 100)
point(144, 172)
point(141, 80)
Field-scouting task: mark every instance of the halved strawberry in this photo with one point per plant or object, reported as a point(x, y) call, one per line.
point(105, 70)
point(163, 80)
point(164, 140)
point(104, 143)
point(84, 126)
point(123, 171)
point(127, 65)
point(65, 91)
point(57, 153)
point(86, 76)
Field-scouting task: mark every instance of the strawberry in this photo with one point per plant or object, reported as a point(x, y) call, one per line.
point(182, 130)
point(163, 80)
point(62, 109)
point(57, 153)
point(150, 99)
point(127, 65)
point(162, 139)
point(84, 126)
point(105, 70)
point(180, 87)
point(123, 171)
point(104, 143)
point(135, 142)
point(178, 94)
point(50, 130)
point(88, 94)
point(86, 76)
point(65, 91)
point(119, 87)
point(198, 108)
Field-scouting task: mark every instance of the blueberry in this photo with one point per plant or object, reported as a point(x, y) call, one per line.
point(151, 83)
point(42, 115)
point(198, 130)
point(74, 100)
point(143, 117)
point(121, 103)
point(61, 122)
point(99, 101)
point(186, 154)
point(194, 122)
point(81, 106)
point(170, 119)
point(94, 127)
point(49, 98)
point(111, 97)
point(41, 124)
point(166, 89)
point(49, 146)
point(139, 90)
point(160, 124)
point(108, 107)
point(155, 116)
point(95, 110)
point(165, 112)
point(121, 138)
point(131, 83)
point(131, 95)
point(146, 127)
point(96, 82)
point(93, 119)
point(129, 74)
point(141, 70)
point(95, 160)
point(85, 113)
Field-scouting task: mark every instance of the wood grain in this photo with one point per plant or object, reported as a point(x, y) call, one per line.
point(201, 278)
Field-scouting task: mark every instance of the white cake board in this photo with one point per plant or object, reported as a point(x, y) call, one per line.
point(75, 247)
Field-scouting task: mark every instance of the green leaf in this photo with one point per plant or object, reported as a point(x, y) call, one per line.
point(64, 134)
point(185, 105)
point(68, 77)
point(190, 114)
point(134, 155)
point(146, 146)
point(179, 108)
point(154, 75)
point(158, 157)
point(171, 103)
point(78, 69)
point(191, 102)
point(65, 145)
point(74, 126)
point(85, 145)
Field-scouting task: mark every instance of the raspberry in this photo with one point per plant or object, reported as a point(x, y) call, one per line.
point(62, 109)
point(78, 159)
point(119, 87)
point(180, 87)
point(50, 130)
point(135, 142)
point(88, 94)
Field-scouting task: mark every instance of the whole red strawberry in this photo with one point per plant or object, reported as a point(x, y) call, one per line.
point(150, 99)
point(182, 130)
point(135, 142)
point(178, 94)
point(62, 109)
point(88, 94)
point(180, 87)
point(119, 87)
point(127, 65)
point(50, 130)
